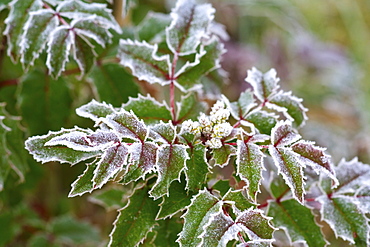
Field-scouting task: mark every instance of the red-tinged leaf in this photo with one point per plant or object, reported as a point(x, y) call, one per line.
point(95, 110)
point(171, 162)
point(249, 166)
point(197, 167)
point(142, 160)
point(135, 220)
point(148, 109)
point(112, 161)
point(84, 183)
point(345, 218)
point(264, 85)
point(283, 134)
point(222, 155)
point(127, 125)
point(163, 132)
point(143, 61)
point(315, 157)
point(297, 221)
point(198, 214)
point(36, 33)
point(291, 169)
point(18, 16)
point(256, 225)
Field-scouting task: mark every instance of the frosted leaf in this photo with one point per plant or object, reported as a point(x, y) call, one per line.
point(126, 125)
point(190, 23)
point(112, 161)
point(345, 218)
point(163, 132)
point(239, 199)
point(284, 134)
point(291, 169)
point(263, 85)
point(59, 46)
point(261, 120)
point(95, 110)
point(222, 155)
point(243, 106)
point(89, 27)
point(84, 184)
point(257, 243)
point(189, 107)
point(36, 34)
point(83, 53)
point(362, 197)
point(152, 28)
point(219, 230)
point(18, 15)
point(141, 58)
point(170, 164)
point(36, 146)
point(75, 9)
point(198, 214)
point(197, 167)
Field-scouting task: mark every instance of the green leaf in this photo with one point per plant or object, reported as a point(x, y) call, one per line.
point(83, 53)
point(113, 84)
point(290, 106)
point(163, 132)
point(84, 183)
point(198, 214)
point(42, 153)
point(278, 187)
point(167, 232)
point(42, 99)
point(175, 202)
point(261, 120)
point(249, 165)
point(284, 134)
point(298, 222)
point(189, 25)
point(189, 108)
point(18, 15)
point(110, 198)
point(189, 76)
point(135, 220)
point(239, 198)
point(36, 33)
point(148, 109)
point(95, 110)
point(198, 168)
point(152, 28)
point(242, 107)
point(345, 218)
point(171, 162)
point(362, 197)
point(264, 85)
point(143, 61)
point(59, 46)
point(222, 155)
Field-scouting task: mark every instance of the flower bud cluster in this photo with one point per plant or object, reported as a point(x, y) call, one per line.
point(213, 127)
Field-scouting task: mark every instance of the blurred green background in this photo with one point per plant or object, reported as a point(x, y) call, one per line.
point(320, 50)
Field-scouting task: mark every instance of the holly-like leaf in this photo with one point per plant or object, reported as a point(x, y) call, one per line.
point(283, 134)
point(148, 109)
point(37, 29)
point(114, 84)
point(175, 202)
point(143, 61)
point(135, 220)
point(197, 167)
point(222, 155)
point(198, 214)
point(264, 85)
point(290, 106)
point(345, 218)
point(249, 166)
point(59, 46)
point(263, 121)
point(42, 153)
point(297, 221)
point(189, 108)
point(95, 110)
point(41, 98)
point(84, 183)
point(239, 198)
point(152, 28)
point(83, 53)
point(242, 107)
point(188, 77)
point(190, 23)
point(362, 197)
point(171, 162)
point(163, 132)
point(18, 16)
point(111, 198)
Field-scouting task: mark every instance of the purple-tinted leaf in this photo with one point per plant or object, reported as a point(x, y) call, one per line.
point(283, 134)
point(171, 162)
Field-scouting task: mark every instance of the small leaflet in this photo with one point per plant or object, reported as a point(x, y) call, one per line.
point(198, 214)
point(222, 155)
point(163, 132)
point(83, 53)
point(345, 218)
point(189, 107)
point(263, 85)
point(263, 121)
point(18, 15)
point(283, 134)
point(297, 221)
point(135, 220)
point(170, 164)
point(148, 109)
point(197, 168)
point(37, 29)
point(239, 199)
point(59, 46)
point(95, 110)
point(89, 27)
point(84, 184)
point(190, 23)
point(42, 153)
point(143, 61)
point(152, 28)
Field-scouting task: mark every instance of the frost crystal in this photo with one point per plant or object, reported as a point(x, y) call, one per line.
point(214, 143)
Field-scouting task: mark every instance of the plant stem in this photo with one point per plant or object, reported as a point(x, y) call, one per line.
point(172, 88)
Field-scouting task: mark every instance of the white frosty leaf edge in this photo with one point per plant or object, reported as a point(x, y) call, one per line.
point(82, 112)
point(157, 137)
point(147, 97)
point(255, 77)
point(77, 180)
point(280, 124)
